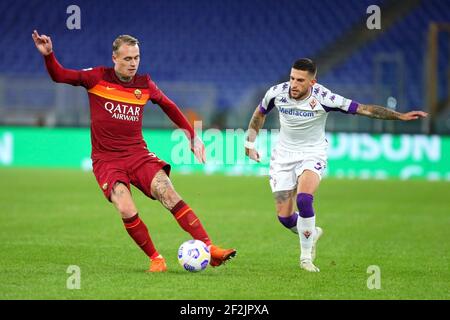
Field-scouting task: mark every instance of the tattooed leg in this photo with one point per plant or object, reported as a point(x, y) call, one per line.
point(163, 190)
point(284, 202)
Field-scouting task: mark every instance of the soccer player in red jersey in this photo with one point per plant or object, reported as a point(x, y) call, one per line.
point(120, 157)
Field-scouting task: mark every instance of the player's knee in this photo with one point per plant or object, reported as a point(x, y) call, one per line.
point(126, 209)
point(305, 204)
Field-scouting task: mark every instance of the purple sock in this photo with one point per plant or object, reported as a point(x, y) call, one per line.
point(304, 204)
point(289, 222)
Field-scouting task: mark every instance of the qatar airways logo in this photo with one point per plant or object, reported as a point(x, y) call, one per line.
point(123, 111)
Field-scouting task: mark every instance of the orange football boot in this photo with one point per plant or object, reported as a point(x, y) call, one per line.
point(157, 264)
point(219, 255)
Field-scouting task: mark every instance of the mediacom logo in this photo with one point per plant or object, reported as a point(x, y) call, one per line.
point(295, 112)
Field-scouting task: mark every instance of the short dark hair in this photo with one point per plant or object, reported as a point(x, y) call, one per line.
point(305, 64)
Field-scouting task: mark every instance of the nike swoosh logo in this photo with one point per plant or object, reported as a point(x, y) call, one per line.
point(110, 88)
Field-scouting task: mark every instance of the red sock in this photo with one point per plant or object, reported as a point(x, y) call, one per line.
point(137, 229)
point(187, 219)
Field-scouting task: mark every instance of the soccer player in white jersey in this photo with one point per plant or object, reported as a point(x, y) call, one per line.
point(298, 160)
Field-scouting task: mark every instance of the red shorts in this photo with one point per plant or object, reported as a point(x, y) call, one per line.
point(137, 169)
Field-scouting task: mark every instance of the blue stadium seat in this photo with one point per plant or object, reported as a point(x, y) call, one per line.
point(407, 37)
point(235, 45)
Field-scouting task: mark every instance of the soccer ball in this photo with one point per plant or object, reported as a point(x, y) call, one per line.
point(194, 255)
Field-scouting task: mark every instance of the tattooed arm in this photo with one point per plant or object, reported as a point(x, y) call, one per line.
point(379, 112)
point(256, 123)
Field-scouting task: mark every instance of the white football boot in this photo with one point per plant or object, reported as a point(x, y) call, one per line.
point(308, 265)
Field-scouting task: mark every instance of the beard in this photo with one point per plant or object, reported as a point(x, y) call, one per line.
point(298, 94)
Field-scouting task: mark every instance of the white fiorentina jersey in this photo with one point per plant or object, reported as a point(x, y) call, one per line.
point(302, 122)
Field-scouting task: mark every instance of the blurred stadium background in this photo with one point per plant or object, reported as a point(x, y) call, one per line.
point(217, 59)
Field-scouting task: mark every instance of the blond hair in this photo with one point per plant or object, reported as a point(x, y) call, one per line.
point(124, 38)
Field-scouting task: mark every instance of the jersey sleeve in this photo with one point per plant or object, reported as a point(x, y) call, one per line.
point(170, 109)
point(268, 102)
point(87, 78)
point(155, 94)
point(334, 102)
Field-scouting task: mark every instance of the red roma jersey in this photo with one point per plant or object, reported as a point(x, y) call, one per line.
point(117, 108)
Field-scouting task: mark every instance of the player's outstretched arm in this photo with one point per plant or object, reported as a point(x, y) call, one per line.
point(383, 113)
point(256, 123)
point(57, 72)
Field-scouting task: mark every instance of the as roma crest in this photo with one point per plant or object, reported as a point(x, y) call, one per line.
point(138, 93)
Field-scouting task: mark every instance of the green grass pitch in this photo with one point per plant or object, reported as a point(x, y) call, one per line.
point(51, 219)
